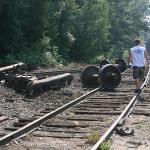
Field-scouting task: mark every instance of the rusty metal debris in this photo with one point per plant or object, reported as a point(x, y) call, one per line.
point(124, 131)
point(30, 83)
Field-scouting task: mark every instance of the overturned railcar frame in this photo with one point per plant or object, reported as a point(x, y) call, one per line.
point(30, 84)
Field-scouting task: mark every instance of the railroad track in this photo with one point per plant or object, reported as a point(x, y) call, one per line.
point(75, 126)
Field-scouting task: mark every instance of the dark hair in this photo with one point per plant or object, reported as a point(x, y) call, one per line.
point(137, 42)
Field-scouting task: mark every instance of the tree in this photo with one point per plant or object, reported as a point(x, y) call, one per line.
point(79, 30)
point(10, 26)
point(91, 28)
point(127, 23)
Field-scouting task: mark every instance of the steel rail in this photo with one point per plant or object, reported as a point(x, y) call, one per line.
point(125, 113)
point(125, 71)
point(29, 127)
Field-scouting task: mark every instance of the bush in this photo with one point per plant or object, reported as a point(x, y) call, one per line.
point(40, 54)
point(105, 146)
point(94, 138)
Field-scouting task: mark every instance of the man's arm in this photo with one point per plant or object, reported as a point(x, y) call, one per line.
point(129, 59)
point(146, 56)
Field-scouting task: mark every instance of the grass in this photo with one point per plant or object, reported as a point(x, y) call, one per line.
point(143, 126)
point(105, 146)
point(95, 137)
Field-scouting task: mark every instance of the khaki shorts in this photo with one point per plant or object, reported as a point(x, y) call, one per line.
point(138, 72)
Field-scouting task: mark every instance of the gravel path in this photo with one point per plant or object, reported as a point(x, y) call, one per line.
point(141, 126)
point(16, 105)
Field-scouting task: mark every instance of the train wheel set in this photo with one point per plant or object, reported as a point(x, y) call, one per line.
point(107, 75)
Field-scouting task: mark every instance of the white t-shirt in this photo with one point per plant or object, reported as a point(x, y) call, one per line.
point(137, 56)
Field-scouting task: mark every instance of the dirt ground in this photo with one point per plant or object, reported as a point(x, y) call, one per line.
point(141, 138)
point(20, 108)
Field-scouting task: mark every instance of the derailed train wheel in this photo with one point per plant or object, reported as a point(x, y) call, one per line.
point(109, 76)
point(89, 76)
point(104, 62)
point(121, 64)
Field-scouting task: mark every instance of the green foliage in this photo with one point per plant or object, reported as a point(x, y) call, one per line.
point(92, 29)
point(127, 19)
point(10, 58)
point(10, 26)
point(147, 37)
point(41, 53)
point(97, 60)
point(105, 146)
point(94, 138)
point(125, 54)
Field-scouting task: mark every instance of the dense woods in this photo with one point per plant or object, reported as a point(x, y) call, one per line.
point(48, 32)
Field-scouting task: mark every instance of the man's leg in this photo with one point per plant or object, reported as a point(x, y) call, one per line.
point(141, 97)
point(140, 82)
point(136, 78)
point(141, 75)
point(137, 83)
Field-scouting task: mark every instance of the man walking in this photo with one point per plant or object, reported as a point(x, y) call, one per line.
point(137, 58)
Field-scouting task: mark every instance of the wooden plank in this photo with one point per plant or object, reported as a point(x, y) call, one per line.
point(3, 118)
